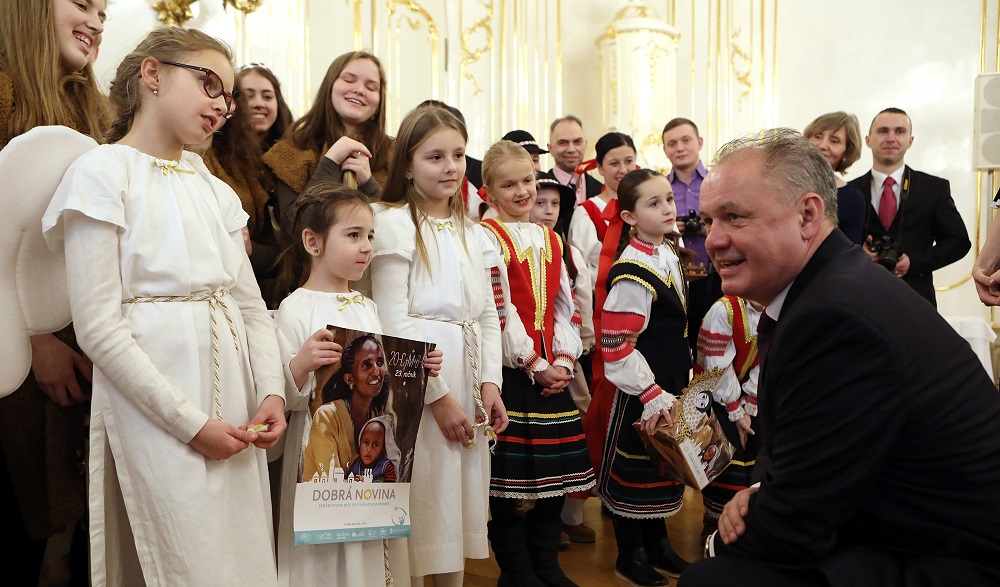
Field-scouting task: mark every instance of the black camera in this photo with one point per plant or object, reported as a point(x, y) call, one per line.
point(887, 249)
point(691, 222)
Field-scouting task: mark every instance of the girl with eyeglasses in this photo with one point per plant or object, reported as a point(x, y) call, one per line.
point(188, 382)
point(47, 48)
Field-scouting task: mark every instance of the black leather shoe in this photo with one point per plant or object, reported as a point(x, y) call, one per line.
point(665, 560)
point(634, 567)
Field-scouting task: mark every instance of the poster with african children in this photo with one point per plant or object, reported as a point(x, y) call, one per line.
point(358, 441)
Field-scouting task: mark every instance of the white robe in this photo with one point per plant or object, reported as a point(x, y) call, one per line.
point(448, 495)
point(350, 563)
point(133, 230)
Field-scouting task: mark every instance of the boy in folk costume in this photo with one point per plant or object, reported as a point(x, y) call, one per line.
point(728, 341)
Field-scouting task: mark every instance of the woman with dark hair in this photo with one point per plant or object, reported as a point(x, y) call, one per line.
point(269, 114)
point(615, 158)
point(343, 131)
point(233, 155)
point(838, 136)
point(361, 385)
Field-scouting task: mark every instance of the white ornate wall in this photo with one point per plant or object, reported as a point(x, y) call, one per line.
point(738, 65)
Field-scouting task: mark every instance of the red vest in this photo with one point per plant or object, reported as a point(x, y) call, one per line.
point(744, 338)
point(532, 289)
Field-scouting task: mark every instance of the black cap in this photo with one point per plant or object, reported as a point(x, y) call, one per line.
point(567, 195)
point(524, 138)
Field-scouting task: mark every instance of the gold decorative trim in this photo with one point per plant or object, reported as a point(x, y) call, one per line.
point(741, 65)
point(634, 10)
point(357, 24)
point(244, 6)
point(392, 8)
point(173, 12)
point(536, 270)
point(559, 76)
point(470, 55)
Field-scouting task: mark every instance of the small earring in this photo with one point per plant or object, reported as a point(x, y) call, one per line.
point(155, 91)
point(350, 386)
point(315, 251)
point(409, 180)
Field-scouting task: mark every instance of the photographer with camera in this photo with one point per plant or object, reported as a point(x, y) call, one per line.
point(913, 225)
point(682, 145)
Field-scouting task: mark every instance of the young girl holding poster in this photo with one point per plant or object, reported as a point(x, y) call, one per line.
point(335, 227)
point(430, 277)
point(166, 305)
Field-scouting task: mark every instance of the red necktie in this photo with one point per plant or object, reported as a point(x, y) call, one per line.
point(887, 205)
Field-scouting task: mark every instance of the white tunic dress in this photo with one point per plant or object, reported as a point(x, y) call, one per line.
point(133, 230)
point(351, 563)
point(448, 495)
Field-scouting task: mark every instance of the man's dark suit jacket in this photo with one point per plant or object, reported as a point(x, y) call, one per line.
point(593, 185)
point(880, 462)
point(927, 225)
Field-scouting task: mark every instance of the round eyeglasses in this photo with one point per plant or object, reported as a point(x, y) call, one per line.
point(212, 84)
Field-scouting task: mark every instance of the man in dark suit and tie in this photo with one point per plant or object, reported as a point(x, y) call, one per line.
point(914, 209)
point(880, 464)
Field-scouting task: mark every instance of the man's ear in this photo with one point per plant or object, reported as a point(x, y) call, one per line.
point(812, 213)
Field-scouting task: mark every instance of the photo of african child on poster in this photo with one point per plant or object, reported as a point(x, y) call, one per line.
point(365, 412)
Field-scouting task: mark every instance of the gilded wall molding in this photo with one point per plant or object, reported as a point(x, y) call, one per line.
point(472, 55)
point(178, 12)
point(244, 6)
point(173, 12)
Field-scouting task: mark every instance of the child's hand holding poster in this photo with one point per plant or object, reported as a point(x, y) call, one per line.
point(358, 448)
point(694, 449)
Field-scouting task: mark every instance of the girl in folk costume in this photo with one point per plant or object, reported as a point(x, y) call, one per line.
point(727, 340)
point(186, 363)
point(542, 454)
point(431, 280)
point(646, 297)
point(335, 225)
point(587, 229)
point(47, 48)
point(343, 131)
point(554, 204)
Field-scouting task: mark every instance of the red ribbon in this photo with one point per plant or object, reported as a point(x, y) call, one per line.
point(585, 166)
point(603, 392)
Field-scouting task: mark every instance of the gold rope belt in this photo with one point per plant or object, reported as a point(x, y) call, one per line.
point(215, 301)
point(471, 340)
